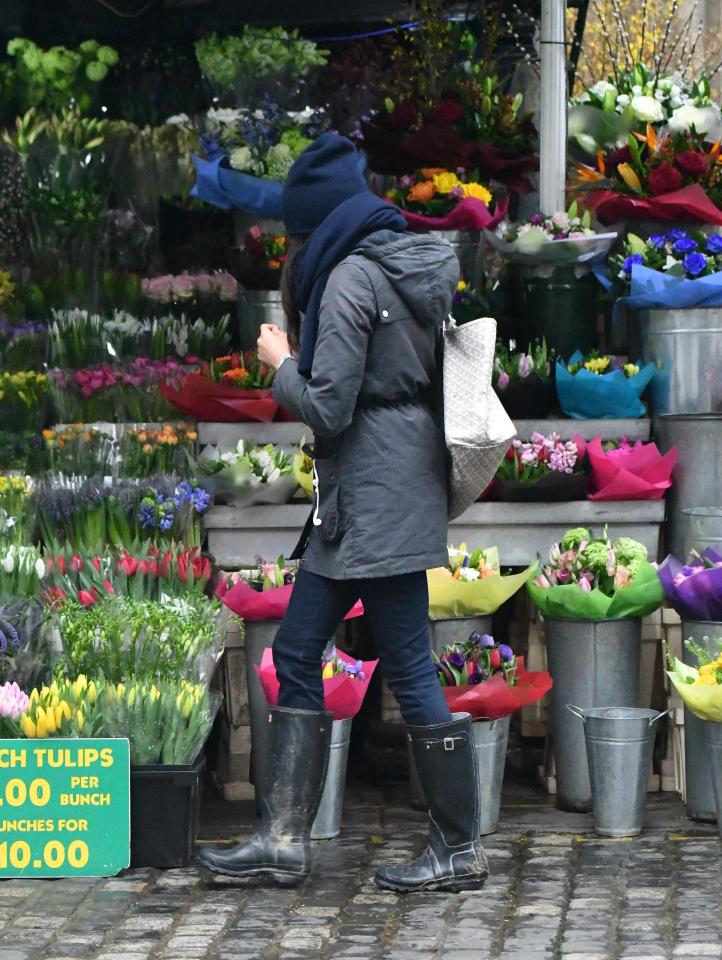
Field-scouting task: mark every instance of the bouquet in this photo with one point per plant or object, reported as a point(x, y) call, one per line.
point(22, 398)
point(699, 687)
point(233, 388)
point(673, 177)
point(624, 471)
point(596, 387)
point(263, 593)
point(523, 381)
point(262, 257)
point(545, 469)
point(438, 199)
point(149, 451)
point(590, 578)
point(674, 270)
point(694, 589)
point(471, 584)
point(303, 470)
point(79, 449)
point(251, 474)
point(485, 679)
point(190, 289)
point(345, 681)
point(545, 242)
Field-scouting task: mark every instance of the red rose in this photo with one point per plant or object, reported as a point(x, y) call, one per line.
point(403, 116)
point(664, 179)
point(448, 111)
point(615, 157)
point(692, 163)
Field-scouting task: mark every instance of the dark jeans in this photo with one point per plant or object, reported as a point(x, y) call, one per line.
point(397, 609)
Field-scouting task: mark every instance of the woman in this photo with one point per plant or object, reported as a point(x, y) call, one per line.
point(365, 377)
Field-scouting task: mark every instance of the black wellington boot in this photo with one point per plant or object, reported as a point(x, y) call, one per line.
point(454, 859)
point(296, 763)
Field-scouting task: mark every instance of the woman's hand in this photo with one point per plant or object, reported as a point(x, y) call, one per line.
point(272, 345)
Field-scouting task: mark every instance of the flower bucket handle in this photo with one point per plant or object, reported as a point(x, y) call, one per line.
point(659, 716)
point(577, 711)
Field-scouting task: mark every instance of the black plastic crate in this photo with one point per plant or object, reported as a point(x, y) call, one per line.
point(165, 807)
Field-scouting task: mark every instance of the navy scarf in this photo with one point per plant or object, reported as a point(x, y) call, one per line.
point(329, 244)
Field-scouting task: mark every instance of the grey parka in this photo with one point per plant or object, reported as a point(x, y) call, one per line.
point(372, 403)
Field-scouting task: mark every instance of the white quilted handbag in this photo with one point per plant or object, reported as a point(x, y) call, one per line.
point(478, 429)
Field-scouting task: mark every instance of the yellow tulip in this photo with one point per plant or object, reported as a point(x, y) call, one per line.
point(28, 727)
point(41, 730)
point(79, 721)
point(327, 671)
point(187, 707)
point(34, 696)
point(626, 172)
point(92, 692)
point(120, 689)
point(50, 724)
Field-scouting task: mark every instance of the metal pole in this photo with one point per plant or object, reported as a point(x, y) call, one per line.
point(553, 123)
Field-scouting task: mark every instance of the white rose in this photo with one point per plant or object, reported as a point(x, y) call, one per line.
point(602, 88)
point(561, 220)
point(647, 109)
point(241, 159)
point(704, 120)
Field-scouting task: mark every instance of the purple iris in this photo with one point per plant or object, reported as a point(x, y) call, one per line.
point(685, 245)
point(657, 240)
point(631, 260)
point(487, 642)
point(714, 244)
point(505, 652)
point(694, 263)
point(355, 670)
point(456, 659)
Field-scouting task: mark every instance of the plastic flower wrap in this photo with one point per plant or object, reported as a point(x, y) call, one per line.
point(594, 387)
point(345, 681)
point(471, 584)
point(674, 270)
point(251, 474)
point(700, 687)
point(546, 468)
point(590, 578)
point(230, 389)
point(303, 470)
point(545, 242)
point(264, 592)
point(624, 471)
point(523, 381)
point(485, 679)
point(694, 589)
point(16, 507)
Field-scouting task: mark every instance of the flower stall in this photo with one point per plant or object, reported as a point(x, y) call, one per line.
point(147, 471)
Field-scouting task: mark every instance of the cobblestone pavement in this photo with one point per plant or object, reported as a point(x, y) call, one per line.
point(556, 891)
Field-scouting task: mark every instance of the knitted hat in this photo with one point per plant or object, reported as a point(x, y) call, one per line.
point(328, 172)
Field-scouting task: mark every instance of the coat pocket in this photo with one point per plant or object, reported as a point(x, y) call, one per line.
point(327, 517)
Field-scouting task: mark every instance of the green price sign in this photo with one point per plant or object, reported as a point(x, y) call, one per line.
point(64, 808)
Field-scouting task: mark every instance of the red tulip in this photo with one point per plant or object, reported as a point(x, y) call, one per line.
point(62, 566)
point(182, 567)
point(165, 563)
point(494, 659)
point(87, 599)
point(149, 567)
point(96, 563)
point(128, 564)
point(77, 562)
point(109, 587)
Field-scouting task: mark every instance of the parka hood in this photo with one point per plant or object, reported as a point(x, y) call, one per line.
point(423, 270)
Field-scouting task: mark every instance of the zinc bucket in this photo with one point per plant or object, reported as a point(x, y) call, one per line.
point(328, 819)
point(703, 528)
point(713, 733)
point(594, 663)
point(620, 743)
point(468, 248)
point(455, 629)
point(254, 308)
point(699, 788)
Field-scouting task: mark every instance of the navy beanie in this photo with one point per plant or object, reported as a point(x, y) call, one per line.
point(328, 172)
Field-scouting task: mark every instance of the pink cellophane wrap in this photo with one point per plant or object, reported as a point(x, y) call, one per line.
point(639, 473)
point(470, 213)
point(495, 698)
point(342, 695)
point(689, 203)
point(254, 605)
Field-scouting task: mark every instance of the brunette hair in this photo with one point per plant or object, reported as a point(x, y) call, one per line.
point(288, 296)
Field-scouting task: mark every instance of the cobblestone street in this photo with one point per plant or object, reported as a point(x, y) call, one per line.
point(556, 891)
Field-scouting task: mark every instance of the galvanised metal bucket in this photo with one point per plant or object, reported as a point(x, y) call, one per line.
point(259, 635)
point(455, 629)
point(713, 733)
point(328, 819)
point(697, 770)
point(490, 742)
point(697, 477)
point(686, 348)
point(619, 742)
point(594, 663)
point(561, 309)
point(254, 308)
point(703, 529)
point(469, 250)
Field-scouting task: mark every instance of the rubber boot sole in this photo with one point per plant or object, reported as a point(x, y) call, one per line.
point(444, 885)
point(278, 877)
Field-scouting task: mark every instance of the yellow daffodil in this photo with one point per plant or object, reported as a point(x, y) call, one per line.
point(446, 182)
point(461, 286)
